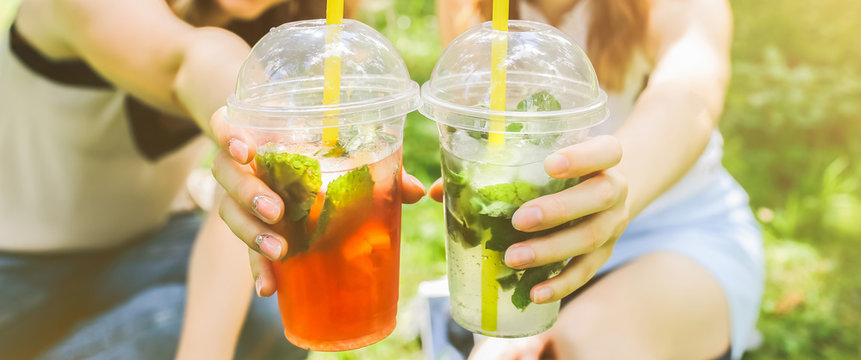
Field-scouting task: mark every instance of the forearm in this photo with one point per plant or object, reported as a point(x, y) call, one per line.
point(661, 140)
point(218, 294)
point(153, 55)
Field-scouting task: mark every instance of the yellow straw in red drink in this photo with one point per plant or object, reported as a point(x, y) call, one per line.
point(491, 261)
point(332, 71)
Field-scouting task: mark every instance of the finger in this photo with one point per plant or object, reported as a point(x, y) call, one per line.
point(582, 238)
point(238, 143)
point(264, 278)
point(412, 188)
point(528, 348)
point(256, 234)
point(576, 274)
point(581, 159)
point(597, 193)
point(251, 193)
point(436, 190)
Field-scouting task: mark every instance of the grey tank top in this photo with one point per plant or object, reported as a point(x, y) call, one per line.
point(84, 165)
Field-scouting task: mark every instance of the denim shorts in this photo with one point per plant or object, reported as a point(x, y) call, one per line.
point(121, 303)
point(717, 230)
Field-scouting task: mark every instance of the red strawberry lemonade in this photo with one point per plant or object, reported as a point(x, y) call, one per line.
point(338, 287)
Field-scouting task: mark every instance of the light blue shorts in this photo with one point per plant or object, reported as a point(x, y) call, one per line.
point(716, 229)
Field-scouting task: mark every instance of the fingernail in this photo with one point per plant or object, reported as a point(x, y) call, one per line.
point(238, 149)
point(265, 207)
point(258, 284)
point(542, 294)
point(527, 217)
point(269, 245)
point(556, 164)
point(519, 256)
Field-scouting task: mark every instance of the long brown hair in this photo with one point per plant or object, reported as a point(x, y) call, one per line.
point(290, 10)
point(617, 29)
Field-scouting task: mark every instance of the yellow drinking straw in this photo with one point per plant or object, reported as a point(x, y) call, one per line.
point(498, 53)
point(332, 71)
point(492, 260)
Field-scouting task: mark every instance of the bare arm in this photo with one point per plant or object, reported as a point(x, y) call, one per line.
point(455, 17)
point(673, 118)
point(218, 294)
point(142, 47)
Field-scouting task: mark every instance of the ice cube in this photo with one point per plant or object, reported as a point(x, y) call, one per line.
point(465, 146)
point(533, 173)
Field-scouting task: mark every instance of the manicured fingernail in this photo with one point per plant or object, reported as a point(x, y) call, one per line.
point(238, 149)
point(265, 207)
point(519, 256)
point(556, 164)
point(527, 217)
point(269, 245)
point(542, 294)
point(258, 285)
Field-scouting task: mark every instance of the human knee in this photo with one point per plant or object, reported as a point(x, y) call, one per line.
point(588, 330)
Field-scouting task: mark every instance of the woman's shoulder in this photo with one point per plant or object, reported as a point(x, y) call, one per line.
point(670, 19)
point(37, 23)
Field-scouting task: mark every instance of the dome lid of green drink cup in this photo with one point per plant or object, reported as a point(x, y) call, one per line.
point(550, 83)
point(281, 83)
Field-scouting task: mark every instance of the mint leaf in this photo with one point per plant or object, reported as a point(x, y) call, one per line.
point(355, 186)
point(503, 199)
point(336, 151)
point(494, 208)
point(296, 178)
point(515, 193)
point(557, 185)
point(502, 233)
point(514, 127)
point(506, 282)
point(467, 237)
point(455, 178)
point(460, 219)
point(323, 220)
point(531, 277)
point(540, 101)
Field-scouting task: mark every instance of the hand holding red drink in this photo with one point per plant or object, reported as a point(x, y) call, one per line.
point(251, 207)
point(314, 131)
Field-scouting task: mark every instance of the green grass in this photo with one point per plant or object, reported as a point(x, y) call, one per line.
point(792, 126)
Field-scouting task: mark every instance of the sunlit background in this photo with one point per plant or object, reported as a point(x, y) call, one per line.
point(792, 126)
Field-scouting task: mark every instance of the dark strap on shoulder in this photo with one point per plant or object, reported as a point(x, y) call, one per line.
point(155, 133)
point(71, 72)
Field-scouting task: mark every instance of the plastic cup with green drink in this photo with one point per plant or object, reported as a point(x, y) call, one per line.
point(552, 100)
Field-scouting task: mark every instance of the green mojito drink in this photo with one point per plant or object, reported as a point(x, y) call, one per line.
point(480, 199)
point(552, 101)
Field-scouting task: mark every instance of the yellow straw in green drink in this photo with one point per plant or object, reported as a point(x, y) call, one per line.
point(491, 261)
point(498, 53)
point(332, 71)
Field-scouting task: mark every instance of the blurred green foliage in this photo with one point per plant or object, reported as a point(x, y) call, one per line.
point(792, 126)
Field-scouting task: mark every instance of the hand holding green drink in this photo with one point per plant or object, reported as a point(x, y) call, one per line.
point(519, 194)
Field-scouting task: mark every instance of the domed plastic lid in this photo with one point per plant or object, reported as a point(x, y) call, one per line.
point(280, 85)
point(541, 61)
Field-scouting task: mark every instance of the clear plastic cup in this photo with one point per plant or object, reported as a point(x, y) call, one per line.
point(338, 287)
point(552, 101)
